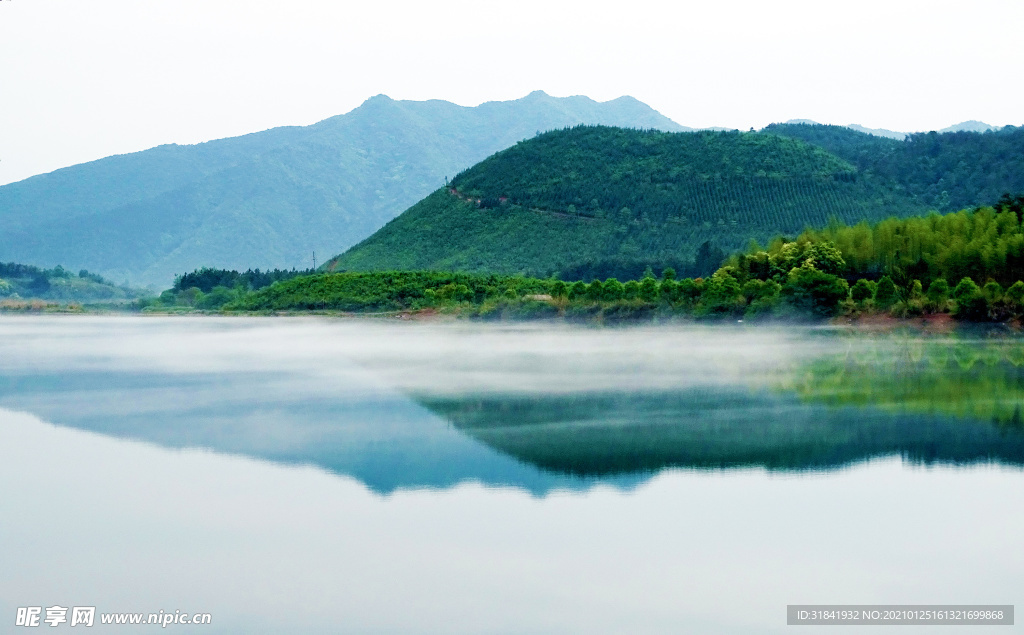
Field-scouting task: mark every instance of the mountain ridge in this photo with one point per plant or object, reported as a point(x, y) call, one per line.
point(269, 199)
point(971, 125)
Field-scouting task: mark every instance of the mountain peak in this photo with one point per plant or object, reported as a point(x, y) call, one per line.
point(626, 99)
point(379, 99)
point(970, 126)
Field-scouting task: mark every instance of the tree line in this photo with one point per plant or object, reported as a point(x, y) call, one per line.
point(969, 264)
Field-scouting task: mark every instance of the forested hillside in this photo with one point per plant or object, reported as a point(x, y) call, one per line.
point(942, 171)
point(20, 282)
point(270, 199)
point(969, 264)
point(595, 201)
point(984, 244)
point(554, 203)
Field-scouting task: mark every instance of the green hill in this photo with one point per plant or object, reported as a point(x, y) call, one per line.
point(625, 199)
point(943, 171)
point(270, 199)
point(25, 282)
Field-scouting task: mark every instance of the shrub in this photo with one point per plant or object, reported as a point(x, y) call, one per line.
point(1014, 296)
point(938, 294)
point(970, 303)
point(992, 291)
point(862, 290)
point(964, 288)
point(885, 293)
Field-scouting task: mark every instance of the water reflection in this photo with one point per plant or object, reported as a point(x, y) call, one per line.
point(539, 408)
point(381, 438)
point(89, 515)
point(970, 378)
point(606, 434)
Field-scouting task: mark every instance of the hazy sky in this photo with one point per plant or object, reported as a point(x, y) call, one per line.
point(83, 79)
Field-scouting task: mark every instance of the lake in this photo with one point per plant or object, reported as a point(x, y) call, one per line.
point(293, 475)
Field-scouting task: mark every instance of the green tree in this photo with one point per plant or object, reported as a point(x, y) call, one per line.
point(1014, 296)
point(786, 258)
point(885, 293)
point(453, 292)
point(826, 257)
point(690, 291)
point(938, 294)
point(578, 290)
point(613, 290)
point(631, 290)
point(649, 289)
point(670, 291)
point(862, 291)
point(189, 297)
point(216, 298)
point(815, 292)
point(970, 302)
point(763, 296)
point(992, 291)
point(965, 288)
point(722, 295)
point(916, 290)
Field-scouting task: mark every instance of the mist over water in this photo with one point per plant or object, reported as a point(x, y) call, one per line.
point(462, 477)
point(400, 404)
point(418, 357)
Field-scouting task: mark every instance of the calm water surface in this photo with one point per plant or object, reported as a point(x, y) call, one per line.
point(318, 476)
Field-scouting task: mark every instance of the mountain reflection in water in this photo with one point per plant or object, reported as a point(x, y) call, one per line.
point(398, 406)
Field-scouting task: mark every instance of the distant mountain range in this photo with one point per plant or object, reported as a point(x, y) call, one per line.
point(965, 126)
point(599, 202)
point(270, 199)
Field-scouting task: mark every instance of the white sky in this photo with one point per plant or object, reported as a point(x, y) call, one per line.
point(83, 79)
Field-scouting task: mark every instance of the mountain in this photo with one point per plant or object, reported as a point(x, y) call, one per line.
point(564, 200)
point(965, 126)
point(942, 171)
point(270, 199)
point(878, 132)
point(971, 126)
point(598, 202)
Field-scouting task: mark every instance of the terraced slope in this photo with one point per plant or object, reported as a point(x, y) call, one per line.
point(565, 200)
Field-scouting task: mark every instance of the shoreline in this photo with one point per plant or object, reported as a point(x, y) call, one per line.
point(936, 323)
